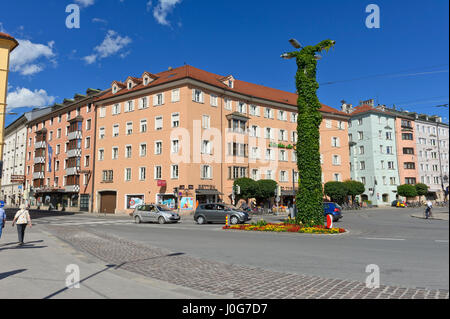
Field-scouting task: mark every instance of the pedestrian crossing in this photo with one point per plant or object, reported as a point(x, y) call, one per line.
point(80, 222)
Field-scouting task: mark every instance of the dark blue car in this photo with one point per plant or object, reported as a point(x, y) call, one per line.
point(333, 209)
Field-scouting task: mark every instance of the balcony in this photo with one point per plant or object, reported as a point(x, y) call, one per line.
point(39, 160)
point(74, 152)
point(38, 175)
point(39, 145)
point(72, 170)
point(72, 188)
point(76, 135)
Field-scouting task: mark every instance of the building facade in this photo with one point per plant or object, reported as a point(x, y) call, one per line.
point(373, 153)
point(433, 159)
point(184, 135)
point(59, 159)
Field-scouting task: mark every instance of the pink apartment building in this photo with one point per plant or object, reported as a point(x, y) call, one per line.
point(406, 149)
point(60, 149)
point(184, 135)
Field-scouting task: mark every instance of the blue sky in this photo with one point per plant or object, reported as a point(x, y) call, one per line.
point(118, 38)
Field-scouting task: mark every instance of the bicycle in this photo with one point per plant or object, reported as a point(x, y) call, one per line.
point(427, 213)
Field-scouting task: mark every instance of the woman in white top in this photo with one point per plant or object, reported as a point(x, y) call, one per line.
point(22, 219)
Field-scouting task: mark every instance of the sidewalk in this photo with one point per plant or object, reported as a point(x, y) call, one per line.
point(38, 270)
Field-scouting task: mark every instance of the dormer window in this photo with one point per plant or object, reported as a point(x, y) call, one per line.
point(145, 80)
point(130, 85)
point(114, 89)
point(230, 83)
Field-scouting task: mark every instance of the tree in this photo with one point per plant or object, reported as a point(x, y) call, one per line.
point(354, 188)
point(421, 190)
point(249, 188)
point(266, 189)
point(407, 190)
point(309, 199)
point(337, 191)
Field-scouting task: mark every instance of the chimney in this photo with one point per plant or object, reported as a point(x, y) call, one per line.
point(346, 108)
point(170, 68)
point(370, 102)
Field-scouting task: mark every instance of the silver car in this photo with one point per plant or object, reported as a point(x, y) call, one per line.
point(155, 213)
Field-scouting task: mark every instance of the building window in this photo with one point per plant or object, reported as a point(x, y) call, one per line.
point(127, 174)
point(197, 96)
point(388, 136)
point(391, 165)
point(284, 177)
point(205, 121)
point(101, 133)
point(87, 142)
point(362, 165)
point(254, 110)
point(360, 135)
point(115, 153)
point(228, 104)
point(116, 130)
point(337, 177)
point(407, 136)
point(129, 129)
point(174, 172)
point(328, 124)
point(158, 147)
point(128, 151)
point(214, 100)
point(87, 161)
point(335, 142)
point(242, 107)
point(88, 124)
point(389, 150)
point(408, 150)
point(206, 172)
point(107, 176)
point(176, 95)
point(142, 173)
point(158, 172)
point(158, 123)
point(143, 126)
point(102, 113)
point(129, 106)
point(206, 147)
point(143, 150)
point(58, 133)
point(409, 165)
point(175, 119)
point(337, 160)
point(175, 146)
point(116, 109)
point(143, 103)
point(158, 99)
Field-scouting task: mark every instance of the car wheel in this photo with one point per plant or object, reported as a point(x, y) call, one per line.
point(201, 220)
point(161, 220)
point(234, 220)
point(137, 220)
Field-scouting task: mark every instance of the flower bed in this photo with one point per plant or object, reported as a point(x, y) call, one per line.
point(285, 227)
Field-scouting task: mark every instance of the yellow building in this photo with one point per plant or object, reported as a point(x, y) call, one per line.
point(7, 44)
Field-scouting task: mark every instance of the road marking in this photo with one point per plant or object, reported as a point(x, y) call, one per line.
point(441, 241)
point(398, 239)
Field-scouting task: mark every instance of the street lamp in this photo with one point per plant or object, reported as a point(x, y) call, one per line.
point(295, 43)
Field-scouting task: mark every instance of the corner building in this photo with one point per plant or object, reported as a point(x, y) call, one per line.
point(190, 133)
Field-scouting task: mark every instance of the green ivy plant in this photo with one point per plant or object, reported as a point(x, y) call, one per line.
point(309, 199)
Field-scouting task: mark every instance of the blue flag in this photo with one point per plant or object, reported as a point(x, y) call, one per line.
point(50, 155)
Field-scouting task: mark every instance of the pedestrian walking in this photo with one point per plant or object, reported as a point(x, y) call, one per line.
point(22, 219)
point(428, 209)
point(2, 217)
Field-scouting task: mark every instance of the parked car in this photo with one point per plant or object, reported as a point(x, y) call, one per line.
point(217, 212)
point(332, 209)
point(155, 213)
point(398, 203)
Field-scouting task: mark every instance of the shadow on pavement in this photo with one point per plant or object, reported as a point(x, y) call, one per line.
point(25, 246)
point(3, 275)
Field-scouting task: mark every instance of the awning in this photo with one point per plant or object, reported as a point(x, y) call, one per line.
point(207, 192)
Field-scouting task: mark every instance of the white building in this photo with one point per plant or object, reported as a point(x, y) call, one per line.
point(14, 155)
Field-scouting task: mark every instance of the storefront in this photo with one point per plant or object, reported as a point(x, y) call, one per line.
point(207, 194)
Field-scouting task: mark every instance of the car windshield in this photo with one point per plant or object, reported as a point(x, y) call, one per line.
point(164, 208)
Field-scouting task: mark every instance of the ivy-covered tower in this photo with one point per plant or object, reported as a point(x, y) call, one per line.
point(309, 197)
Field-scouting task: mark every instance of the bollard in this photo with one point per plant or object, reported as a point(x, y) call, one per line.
point(226, 220)
point(329, 221)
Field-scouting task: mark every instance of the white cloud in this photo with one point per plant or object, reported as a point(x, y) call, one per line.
point(27, 57)
point(162, 9)
point(111, 45)
point(85, 3)
point(99, 20)
point(23, 97)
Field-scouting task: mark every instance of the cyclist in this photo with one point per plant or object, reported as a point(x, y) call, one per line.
point(428, 209)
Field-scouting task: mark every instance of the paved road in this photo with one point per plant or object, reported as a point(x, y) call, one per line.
point(410, 252)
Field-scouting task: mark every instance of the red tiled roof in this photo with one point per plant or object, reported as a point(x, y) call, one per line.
point(367, 108)
point(8, 37)
point(246, 88)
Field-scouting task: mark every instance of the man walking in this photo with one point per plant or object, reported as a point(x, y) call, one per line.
point(2, 217)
